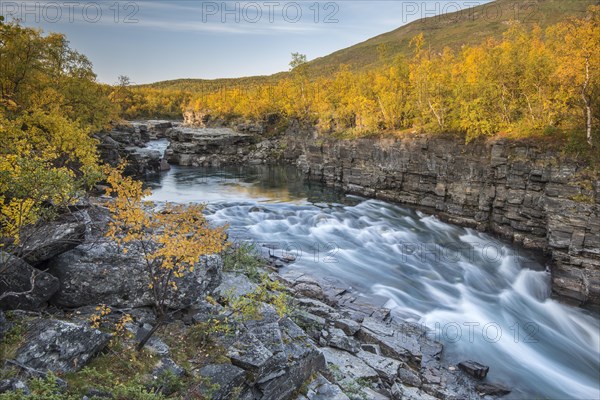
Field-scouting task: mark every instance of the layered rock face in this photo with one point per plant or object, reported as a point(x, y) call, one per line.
point(128, 142)
point(522, 192)
point(208, 146)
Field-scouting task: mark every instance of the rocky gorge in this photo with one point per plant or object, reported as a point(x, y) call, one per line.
point(334, 343)
point(519, 190)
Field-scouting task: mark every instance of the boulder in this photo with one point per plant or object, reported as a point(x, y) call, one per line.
point(59, 346)
point(226, 378)
point(276, 355)
point(53, 238)
point(349, 366)
point(387, 368)
point(321, 389)
point(399, 341)
point(143, 161)
point(100, 273)
point(335, 337)
point(14, 385)
point(308, 287)
point(492, 389)
point(349, 326)
point(474, 369)
point(208, 146)
point(249, 353)
point(235, 285)
point(32, 288)
point(409, 377)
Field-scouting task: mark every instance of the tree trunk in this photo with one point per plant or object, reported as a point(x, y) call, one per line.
point(149, 335)
point(586, 102)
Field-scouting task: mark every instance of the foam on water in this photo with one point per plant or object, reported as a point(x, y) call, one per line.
point(451, 279)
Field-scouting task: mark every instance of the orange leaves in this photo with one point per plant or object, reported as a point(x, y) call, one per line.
point(527, 82)
point(172, 240)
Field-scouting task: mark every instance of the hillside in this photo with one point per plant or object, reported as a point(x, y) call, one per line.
point(452, 30)
point(448, 30)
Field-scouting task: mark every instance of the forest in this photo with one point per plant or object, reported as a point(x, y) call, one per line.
point(530, 83)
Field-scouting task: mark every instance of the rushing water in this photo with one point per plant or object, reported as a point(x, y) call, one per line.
point(484, 299)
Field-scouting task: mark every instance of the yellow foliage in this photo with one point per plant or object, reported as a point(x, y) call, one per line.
point(49, 106)
point(529, 82)
point(172, 239)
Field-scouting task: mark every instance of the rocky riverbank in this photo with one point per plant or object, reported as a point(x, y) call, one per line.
point(522, 191)
point(330, 343)
point(128, 141)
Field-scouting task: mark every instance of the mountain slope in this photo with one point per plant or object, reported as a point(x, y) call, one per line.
point(449, 30)
point(452, 30)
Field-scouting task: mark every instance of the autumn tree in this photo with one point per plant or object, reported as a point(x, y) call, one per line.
point(576, 45)
point(171, 240)
point(50, 105)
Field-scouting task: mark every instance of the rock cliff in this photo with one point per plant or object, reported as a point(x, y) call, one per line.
point(520, 191)
point(524, 192)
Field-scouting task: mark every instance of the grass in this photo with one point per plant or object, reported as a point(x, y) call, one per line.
point(13, 339)
point(244, 258)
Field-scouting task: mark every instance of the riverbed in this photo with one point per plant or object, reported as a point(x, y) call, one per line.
point(483, 298)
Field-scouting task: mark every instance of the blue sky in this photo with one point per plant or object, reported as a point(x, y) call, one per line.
point(155, 40)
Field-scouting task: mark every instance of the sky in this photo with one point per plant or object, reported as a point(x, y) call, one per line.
point(152, 40)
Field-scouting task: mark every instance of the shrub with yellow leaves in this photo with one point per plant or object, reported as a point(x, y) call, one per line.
point(172, 240)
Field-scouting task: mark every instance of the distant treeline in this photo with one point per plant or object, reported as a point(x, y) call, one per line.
point(532, 82)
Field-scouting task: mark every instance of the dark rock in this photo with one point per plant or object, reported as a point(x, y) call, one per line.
point(208, 146)
point(5, 325)
point(164, 368)
point(100, 273)
point(349, 326)
point(349, 366)
point(474, 369)
point(387, 368)
point(142, 162)
point(249, 353)
point(33, 287)
point(228, 378)
point(299, 360)
point(409, 377)
point(53, 238)
point(371, 348)
point(492, 389)
point(321, 389)
point(59, 346)
point(14, 385)
point(312, 324)
point(338, 339)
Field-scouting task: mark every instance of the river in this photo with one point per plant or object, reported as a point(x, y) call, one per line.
point(484, 299)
